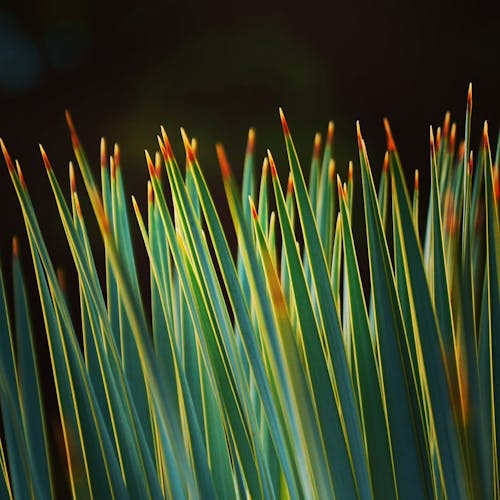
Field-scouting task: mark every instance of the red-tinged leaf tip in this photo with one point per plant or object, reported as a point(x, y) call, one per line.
point(78, 207)
point(72, 130)
point(486, 140)
point(265, 167)
point(469, 98)
point(169, 153)
point(15, 247)
point(359, 136)
point(350, 171)
point(471, 163)
point(224, 164)
point(289, 187)
point(274, 170)
point(453, 137)
point(284, 124)
point(151, 193)
point(194, 146)
point(6, 155)
point(117, 156)
point(385, 166)
point(72, 179)
point(391, 145)
point(20, 175)
point(431, 141)
point(61, 278)
point(317, 145)
point(151, 167)
point(104, 153)
point(416, 181)
point(446, 124)
point(329, 134)
point(331, 169)
point(187, 146)
point(340, 189)
point(255, 215)
point(438, 138)
point(46, 161)
point(250, 141)
point(461, 151)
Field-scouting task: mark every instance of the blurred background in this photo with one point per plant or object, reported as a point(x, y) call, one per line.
point(124, 68)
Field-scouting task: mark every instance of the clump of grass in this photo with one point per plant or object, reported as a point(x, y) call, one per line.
point(271, 375)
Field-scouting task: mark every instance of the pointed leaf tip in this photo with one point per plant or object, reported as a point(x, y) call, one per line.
point(6, 155)
point(103, 151)
point(72, 130)
point(169, 153)
point(471, 163)
point(255, 215)
point(359, 136)
point(284, 124)
point(117, 155)
point(187, 146)
point(385, 166)
point(431, 142)
point(317, 145)
point(469, 97)
point(274, 171)
point(224, 164)
point(45, 159)
point(331, 169)
point(72, 179)
point(250, 141)
point(289, 186)
point(331, 129)
point(151, 167)
point(15, 246)
point(486, 140)
point(350, 171)
point(391, 145)
point(416, 181)
point(446, 124)
point(453, 137)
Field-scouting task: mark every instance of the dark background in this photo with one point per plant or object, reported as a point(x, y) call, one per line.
point(125, 68)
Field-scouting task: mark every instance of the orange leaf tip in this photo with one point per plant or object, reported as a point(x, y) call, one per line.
point(265, 167)
point(187, 146)
point(317, 145)
point(359, 136)
point(331, 169)
point(391, 145)
point(340, 189)
point(72, 130)
point(224, 164)
point(151, 167)
point(329, 134)
point(194, 146)
point(471, 163)
point(255, 215)
point(151, 193)
point(486, 140)
point(72, 179)
point(46, 161)
point(15, 246)
point(274, 171)
point(446, 124)
point(250, 141)
point(6, 155)
point(20, 175)
point(453, 137)
point(469, 98)
point(416, 181)
point(385, 166)
point(169, 153)
point(431, 141)
point(284, 124)
point(117, 156)
point(438, 138)
point(289, 186)
point(112, 167)
point(103, 151)
point(350, 172)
